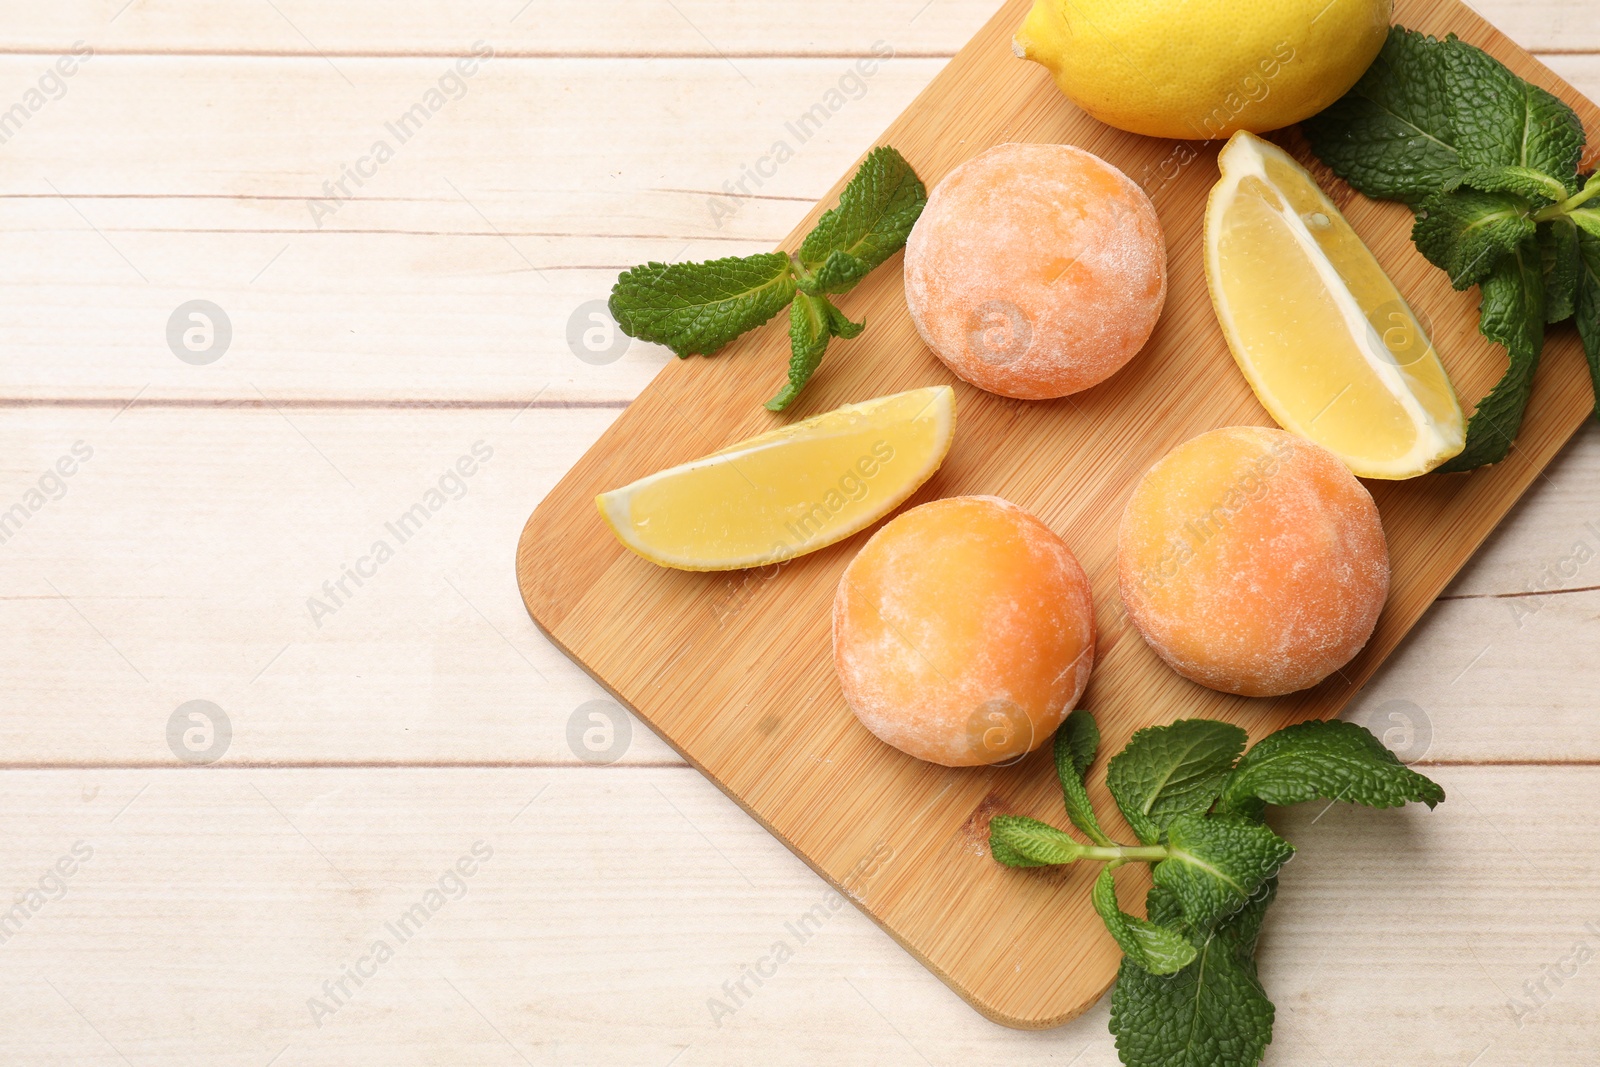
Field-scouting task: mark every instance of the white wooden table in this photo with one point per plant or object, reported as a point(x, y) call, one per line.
point(383, 732)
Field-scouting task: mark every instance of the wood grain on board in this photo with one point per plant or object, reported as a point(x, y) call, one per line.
point(749, 695)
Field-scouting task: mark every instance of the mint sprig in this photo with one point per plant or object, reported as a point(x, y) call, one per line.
point(1489, 162)
point(697, 308)
point(1187, 993)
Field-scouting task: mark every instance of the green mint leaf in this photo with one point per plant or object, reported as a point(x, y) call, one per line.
point(699, 307)
point(838, 274)
point(875, 214)
point(1392, 137)
point(1243, 928)
point(840, 326)
point(1213, 1013)
point(1537, 186)
point(1168, 771)
point(1331, 760)
point(1467, 232)
point(1157, 949)
point(1512, 315)
point(1018, 841)
point(1217, 863)
point(813, 322)
point(809, 334)
point(1563, 266)
point(1588, 306)
point(1587, 219)
point(1076, 743)
point(1500, 120)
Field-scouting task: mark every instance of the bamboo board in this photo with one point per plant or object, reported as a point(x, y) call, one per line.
point(735, 670)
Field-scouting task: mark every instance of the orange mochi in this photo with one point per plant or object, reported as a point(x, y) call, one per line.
point(1252, 561)
point(963, 632)
point(1036, 270)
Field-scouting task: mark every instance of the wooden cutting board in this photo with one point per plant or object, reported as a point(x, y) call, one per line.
point(735, 669)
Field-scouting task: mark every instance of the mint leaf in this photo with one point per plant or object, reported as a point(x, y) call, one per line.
point(1018, 841)
point(1587, 219)
point(1500, 120)
point(1213, 1013)
point(699, 307)
point(1076, 743)
point(1167, 771)
point(1467, 232)
point(1535, 185)
point(1332, 760)
point(809, 334)
point(1243, 929)
point(840, 326)
point(1157, 949)
point(1216, 864)
point(1588, 306)
point(875, 214)
point(838, 273)
point(1558, 249)
point(813, 322)
point(1512, 315)
point(1392, 136)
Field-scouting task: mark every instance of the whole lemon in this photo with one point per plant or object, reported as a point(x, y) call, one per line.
point(1204, 69)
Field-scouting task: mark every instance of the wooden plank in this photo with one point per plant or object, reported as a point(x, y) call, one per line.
point(247, 600)
point(214, 163)
point(636, 27)
point(728, 700)
point(407, 671)
point(587, 177)
point(614, 907)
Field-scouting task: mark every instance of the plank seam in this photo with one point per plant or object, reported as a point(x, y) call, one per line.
point(1522, 593)
point(311, 404)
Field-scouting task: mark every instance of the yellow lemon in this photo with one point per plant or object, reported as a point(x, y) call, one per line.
point(1204, 69)
point(788, 492)
point(1327, 342)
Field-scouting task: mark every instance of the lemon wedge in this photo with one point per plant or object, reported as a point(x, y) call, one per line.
point(1325, 339)
point(788, 492)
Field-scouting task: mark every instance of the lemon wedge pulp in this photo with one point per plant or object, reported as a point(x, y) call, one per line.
point(787, 492)
point(1325, 339)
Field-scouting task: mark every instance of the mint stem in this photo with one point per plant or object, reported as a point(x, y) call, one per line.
point(1124, 853)
point(1572, 203)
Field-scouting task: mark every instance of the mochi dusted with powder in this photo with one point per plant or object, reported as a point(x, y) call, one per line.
point(963, 632)
point(1253, 561)
point(1036, 270)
